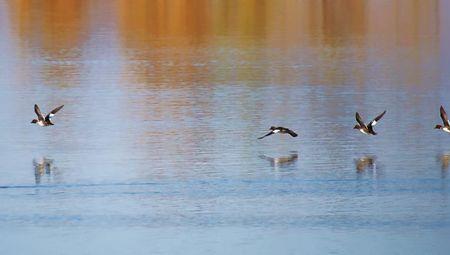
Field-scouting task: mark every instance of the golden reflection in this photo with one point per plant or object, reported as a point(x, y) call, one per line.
point(144, 23)
point(343, 19)
point(323, 26)
point(180, 43)
point(50, 24)
point(50, 33)
point(279, 22)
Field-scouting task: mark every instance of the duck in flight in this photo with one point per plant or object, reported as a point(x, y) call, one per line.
point(446, 127)
point(47, 121)
point(281, 130)
point(367, 129)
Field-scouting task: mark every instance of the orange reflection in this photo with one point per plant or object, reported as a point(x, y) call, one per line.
point(252, 41)
point(55, 29)
point(51, 24)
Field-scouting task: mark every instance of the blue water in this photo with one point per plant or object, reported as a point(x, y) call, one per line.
point(155, 151)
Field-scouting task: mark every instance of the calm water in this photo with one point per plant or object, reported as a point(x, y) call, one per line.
point(155, 151)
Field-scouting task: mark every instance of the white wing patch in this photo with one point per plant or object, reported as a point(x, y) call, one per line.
point(276, 131)
point(373, 123)
point(363, 131)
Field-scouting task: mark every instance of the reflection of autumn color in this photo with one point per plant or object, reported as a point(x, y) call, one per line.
point(54, 24)
point(291, 21)
point(281, 22)
point(195, 42)
point(325, 27)
point(55, 30)
point(142, 21)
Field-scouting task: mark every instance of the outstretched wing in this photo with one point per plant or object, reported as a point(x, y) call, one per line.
point(270, 133)
point(375, 121)
point(359, 120)
point(52, 113)
point(38, 112)
point(292, 133)
point(444, 117)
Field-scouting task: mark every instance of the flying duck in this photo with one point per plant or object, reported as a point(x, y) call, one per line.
point(368, 130)
point(282, 130)
point(446, 127)
point(47, 121)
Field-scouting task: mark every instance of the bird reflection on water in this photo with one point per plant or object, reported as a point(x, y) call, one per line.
point(445, 162)
point(283, 161)
point(42, 166)
point(365, 163)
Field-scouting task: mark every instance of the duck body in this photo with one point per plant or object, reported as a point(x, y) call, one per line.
point(365, 130)
point(41, 123)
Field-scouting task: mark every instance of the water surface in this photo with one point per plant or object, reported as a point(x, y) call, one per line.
point(155, 150)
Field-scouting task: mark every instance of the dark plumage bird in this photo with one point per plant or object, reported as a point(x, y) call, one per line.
point(367, 129)
point(47, 121)
point(281, 130)
point(446, 127)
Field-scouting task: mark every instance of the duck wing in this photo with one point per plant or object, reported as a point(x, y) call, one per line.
point(444, 117)
point(270, 133)
point(38, 112)
point(359, 120)
point(375, 121)
point(52, 113)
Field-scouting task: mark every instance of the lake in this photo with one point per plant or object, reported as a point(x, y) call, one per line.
point(156, 149)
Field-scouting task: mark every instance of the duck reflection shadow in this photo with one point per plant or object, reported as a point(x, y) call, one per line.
point(445, 162)
point(283, 161)
point(365, 163)
point(42, 166)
